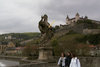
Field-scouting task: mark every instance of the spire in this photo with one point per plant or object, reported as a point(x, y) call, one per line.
point(67, 17)
point(77, 14)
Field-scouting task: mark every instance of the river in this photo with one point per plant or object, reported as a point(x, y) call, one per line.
point(8, 63)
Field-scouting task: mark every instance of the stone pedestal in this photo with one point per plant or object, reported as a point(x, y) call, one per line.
point(45, 53)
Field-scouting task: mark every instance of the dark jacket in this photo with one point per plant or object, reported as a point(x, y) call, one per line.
point(68, 60)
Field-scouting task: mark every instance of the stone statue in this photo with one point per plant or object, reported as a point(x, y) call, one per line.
point(45, 29)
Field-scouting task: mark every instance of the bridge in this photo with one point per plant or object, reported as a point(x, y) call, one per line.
point(16, 61)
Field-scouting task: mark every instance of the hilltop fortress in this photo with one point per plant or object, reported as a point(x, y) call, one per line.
point(79, 25)
point(75, 19)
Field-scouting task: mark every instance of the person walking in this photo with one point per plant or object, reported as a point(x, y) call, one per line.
point(68, 59)
point(61, 61)
point(74, 61)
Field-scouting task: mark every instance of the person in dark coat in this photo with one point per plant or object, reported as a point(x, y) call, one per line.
point(68, 59)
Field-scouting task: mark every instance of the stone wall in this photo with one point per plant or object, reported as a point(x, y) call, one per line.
point(11, 58)
point(91, 31)
point(85, 62)
point(39, 65)
point(90, 61)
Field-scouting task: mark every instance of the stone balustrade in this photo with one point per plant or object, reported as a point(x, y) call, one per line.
point(85, 62)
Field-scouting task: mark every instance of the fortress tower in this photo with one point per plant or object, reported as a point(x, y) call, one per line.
point(68, 21)
point(77, 17)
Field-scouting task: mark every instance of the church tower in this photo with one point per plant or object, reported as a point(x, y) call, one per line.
point(77, 17)
point(67, 20)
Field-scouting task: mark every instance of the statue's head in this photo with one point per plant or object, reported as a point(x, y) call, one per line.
point(45, 16)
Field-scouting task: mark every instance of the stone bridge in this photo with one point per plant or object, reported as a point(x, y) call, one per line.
point(85, 62)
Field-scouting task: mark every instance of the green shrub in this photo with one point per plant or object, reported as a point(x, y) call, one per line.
point(92, 39)
point(84, 21)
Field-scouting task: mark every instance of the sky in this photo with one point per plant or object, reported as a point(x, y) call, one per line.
point(17, 16)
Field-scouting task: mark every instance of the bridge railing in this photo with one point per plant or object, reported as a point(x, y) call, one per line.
point(39, 65)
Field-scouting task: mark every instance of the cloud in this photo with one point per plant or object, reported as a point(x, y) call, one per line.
point(59, 9)
point(24, 15)
point(20, 15)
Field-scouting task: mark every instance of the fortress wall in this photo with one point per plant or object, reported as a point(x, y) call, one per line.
point(91, 31)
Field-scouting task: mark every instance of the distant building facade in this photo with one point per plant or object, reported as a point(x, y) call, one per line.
point(5, 45)
point(95, 50)
point(10, 37)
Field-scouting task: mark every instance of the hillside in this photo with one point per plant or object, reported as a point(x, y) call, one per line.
point(73, 41)
point(27, 35)
point(79, 35)
point(18, 37)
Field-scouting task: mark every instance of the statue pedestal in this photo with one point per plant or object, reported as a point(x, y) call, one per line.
point(45, 53)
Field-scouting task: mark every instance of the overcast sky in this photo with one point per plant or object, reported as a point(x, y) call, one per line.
point(24, 15)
